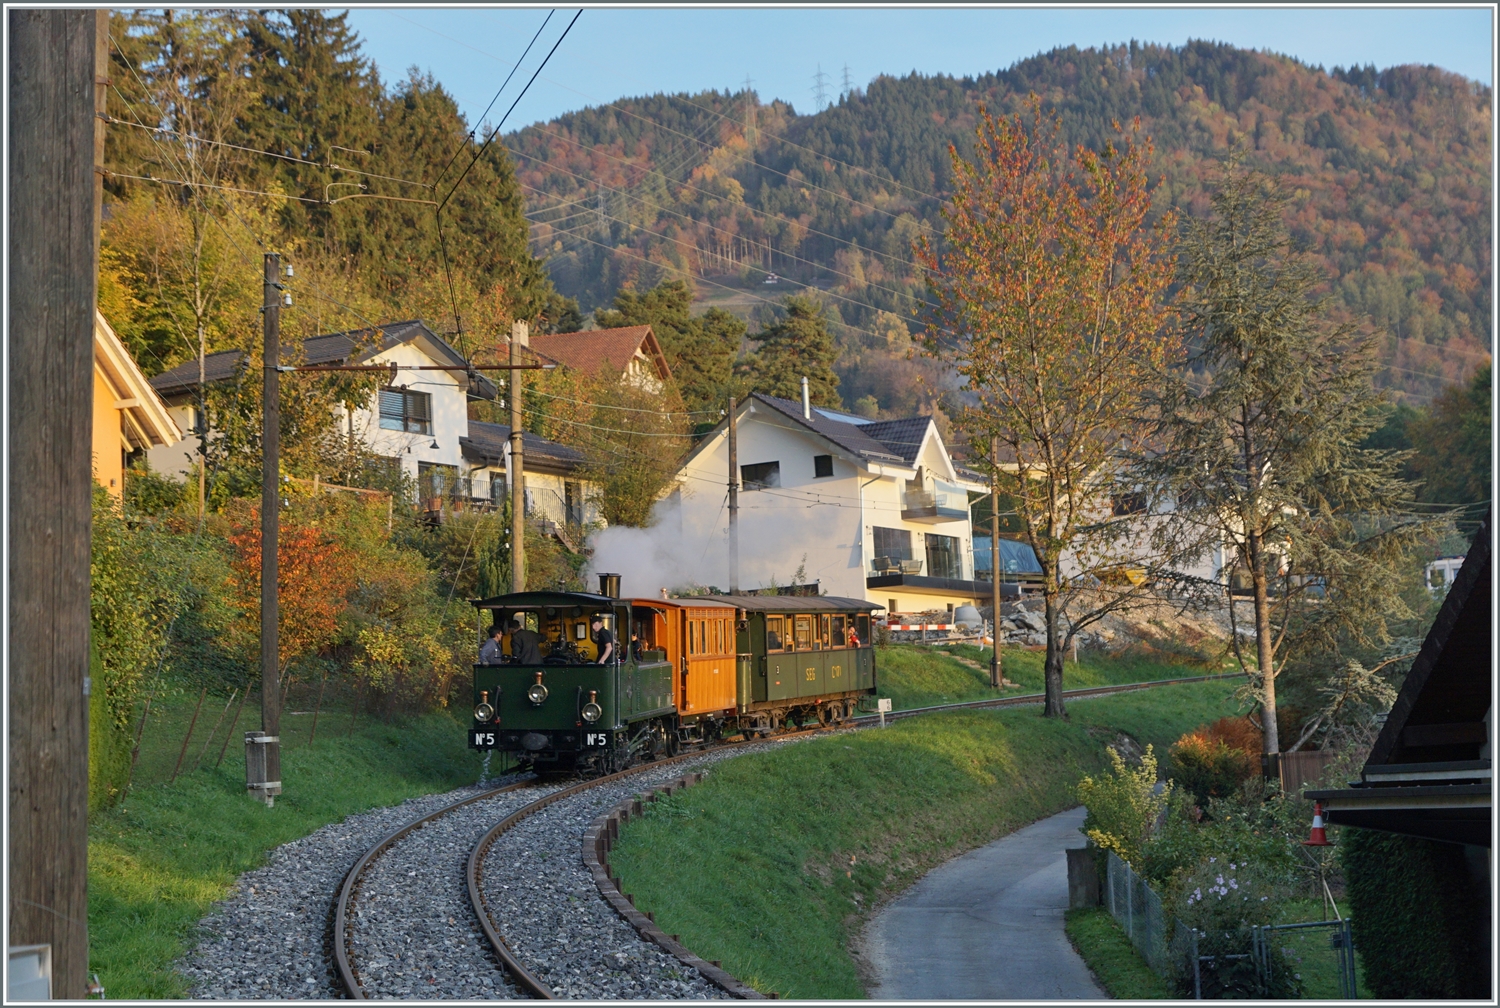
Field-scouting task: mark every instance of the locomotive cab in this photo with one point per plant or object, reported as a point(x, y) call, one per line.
point(546, 699)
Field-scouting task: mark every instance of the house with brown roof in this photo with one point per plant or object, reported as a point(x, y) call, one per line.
point(129, 417)
point(631, 351)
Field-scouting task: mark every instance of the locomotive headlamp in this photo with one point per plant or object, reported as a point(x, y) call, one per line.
point(483, 711)
point(592, 711)
point(537, 692)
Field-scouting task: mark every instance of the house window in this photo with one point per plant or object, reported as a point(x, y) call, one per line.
point(1127, 504)
point(404, 410)
point(761, 475)
point(891, 547)
point(822, 466)
point(498, 488)
point(943, 558)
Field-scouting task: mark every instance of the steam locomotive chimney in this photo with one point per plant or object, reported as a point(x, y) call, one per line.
point(609, 584)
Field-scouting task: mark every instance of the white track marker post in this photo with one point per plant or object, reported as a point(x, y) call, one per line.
point(884, 706)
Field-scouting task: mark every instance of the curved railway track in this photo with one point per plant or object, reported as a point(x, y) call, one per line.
point(342, 917)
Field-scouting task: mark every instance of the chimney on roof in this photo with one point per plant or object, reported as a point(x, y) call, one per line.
point(806, 402)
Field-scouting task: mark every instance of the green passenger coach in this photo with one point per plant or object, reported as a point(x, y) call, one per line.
point(546, 698)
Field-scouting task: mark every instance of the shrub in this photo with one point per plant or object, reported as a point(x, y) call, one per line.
point(1420, 920)
point(1208, 767)
point(1223, 900)
point(1213, 760)
point(1124, 806)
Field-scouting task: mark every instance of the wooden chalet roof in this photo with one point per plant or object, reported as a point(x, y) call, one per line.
point(1439, 714)
point(1429, 773)
point(586, 351)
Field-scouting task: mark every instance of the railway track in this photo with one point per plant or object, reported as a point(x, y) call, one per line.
point(519, 979)
point(1027, 699)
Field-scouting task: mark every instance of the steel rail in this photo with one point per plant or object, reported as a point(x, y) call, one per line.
point(523, 977)
point(340, 925)
point(502, 951)
point(1027, 699)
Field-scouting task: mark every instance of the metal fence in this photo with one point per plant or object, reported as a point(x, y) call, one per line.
point(1323, 950)
point(1138, 909)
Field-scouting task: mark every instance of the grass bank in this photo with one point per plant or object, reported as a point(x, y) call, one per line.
point(163, 856)
point(772, 862)
point(1106, 948)
point(920, 676)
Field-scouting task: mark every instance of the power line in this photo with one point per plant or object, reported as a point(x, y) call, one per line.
point(491, 105)
point(661, 209)
point(270, 154)
point(627, 409)
point(721, 115)
point(667, 129)
point(496, 131)
point(876, 338)
point(573, 233)
point(770, 215)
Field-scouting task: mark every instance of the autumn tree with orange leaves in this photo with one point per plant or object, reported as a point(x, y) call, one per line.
point(1050, 290)
point(316, 574)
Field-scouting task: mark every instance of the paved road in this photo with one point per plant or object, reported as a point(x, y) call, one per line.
point(986, 926)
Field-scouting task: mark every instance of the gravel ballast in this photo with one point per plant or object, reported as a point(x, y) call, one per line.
point(414, 935)
point(267, 940)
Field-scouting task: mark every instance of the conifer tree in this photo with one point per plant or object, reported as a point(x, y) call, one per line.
point(1259, 442)
point(798, 346)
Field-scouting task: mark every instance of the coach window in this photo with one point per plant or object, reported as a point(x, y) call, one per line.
point(804, 633)
point(773, 633)
point(862, 627)
point(840, 635)
point(827, 631)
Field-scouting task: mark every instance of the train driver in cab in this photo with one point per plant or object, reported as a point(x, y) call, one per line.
point(603, 640)
point(525, 645)
point(490, 653)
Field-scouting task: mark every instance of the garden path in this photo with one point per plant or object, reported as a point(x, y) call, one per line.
point(986, 926)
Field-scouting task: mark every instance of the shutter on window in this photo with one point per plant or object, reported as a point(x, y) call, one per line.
point(419, 406)
point(392, 404)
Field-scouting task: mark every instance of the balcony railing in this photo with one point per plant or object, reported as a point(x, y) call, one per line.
point(943, 503)
point(895, 565)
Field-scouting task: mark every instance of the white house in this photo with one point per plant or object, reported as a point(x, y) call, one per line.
point(868, 509)
point(419, 421)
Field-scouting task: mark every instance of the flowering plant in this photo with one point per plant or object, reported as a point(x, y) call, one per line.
point(1222, 901)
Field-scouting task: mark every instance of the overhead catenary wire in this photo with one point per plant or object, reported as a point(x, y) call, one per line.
point(459, 150)
point(252, 150)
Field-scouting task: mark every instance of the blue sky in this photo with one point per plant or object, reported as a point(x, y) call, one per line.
point(616, 52)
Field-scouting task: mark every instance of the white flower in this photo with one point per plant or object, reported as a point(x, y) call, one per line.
point(1220, 880)
point(1233, 884)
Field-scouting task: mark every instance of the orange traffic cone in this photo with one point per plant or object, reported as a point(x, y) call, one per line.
point(1319, 836)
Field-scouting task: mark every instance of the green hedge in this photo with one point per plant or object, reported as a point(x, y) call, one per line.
point(1419, 916)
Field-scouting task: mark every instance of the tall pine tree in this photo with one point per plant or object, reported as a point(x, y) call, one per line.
point(796, 347)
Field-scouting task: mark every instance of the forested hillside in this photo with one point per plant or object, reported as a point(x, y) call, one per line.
point(1391, 170)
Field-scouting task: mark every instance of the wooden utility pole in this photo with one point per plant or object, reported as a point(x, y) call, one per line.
point(58, 61)
point(270, 531)
point(997, 674)
point(734, 503)
point(520, 335)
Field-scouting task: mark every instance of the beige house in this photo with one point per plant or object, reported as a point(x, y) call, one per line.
point(632, 351)
point(129, 416)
